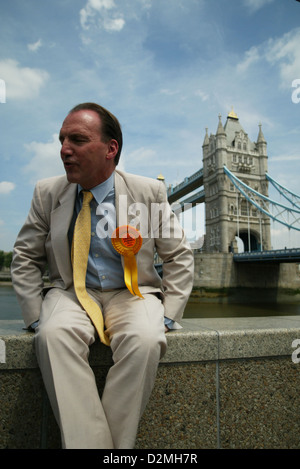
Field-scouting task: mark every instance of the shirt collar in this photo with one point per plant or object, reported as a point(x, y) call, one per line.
point(102, 190)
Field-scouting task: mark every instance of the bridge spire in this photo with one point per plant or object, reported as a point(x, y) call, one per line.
point(220, 129)
point(260, 137)
point(232, 114)
point(206, 139)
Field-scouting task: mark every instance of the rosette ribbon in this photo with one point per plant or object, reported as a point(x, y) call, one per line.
point(127, 241)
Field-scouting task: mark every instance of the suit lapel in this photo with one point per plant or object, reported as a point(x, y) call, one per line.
point(123, 199)
point(60, 222)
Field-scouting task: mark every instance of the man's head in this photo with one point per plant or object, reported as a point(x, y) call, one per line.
point(110, 126)
point(91, 139)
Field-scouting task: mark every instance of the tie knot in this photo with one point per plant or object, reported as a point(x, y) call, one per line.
point(87, 197)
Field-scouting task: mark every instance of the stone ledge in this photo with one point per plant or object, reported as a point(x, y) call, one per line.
point(224, 383)
point(198, 340)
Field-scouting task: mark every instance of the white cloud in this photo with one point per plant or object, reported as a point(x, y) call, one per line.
point(6, 187)
point(142, 155)
point(46, 160)
point(201, 94)
point(251, 56)
point(285, 52)
point(35, 45)
point(100, 4)
point(168, 91)
point(255, 5)
point(282, 52)
point(100, 7)
point(286, 158)
point(21, 82)
point(114, 25)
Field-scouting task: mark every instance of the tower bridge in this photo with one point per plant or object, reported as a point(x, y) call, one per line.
point(234, 185)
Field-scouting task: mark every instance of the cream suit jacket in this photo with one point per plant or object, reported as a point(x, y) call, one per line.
point(43, 243)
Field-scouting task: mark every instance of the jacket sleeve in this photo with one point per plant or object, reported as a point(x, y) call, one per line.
point(177, 258)
point(29, 260)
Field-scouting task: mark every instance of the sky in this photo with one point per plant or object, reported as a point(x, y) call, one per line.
point(165, 68)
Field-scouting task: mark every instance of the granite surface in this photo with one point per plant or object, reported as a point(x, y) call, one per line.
point(199, 339)
point(224, 383)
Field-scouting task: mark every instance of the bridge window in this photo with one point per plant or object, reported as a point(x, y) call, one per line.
point(212, 237)
point(213, 189)
point(244, 209)
point(214, 212)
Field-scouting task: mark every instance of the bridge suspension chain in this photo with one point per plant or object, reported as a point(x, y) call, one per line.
point(294, 199)
point(290, 217)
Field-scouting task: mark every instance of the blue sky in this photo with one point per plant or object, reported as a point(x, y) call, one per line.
point(165, 68)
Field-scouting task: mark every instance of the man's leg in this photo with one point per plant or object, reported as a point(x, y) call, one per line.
point(136, 330)
point(62, 343)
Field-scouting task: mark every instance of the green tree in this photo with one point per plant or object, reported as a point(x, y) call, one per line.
point(7, 259)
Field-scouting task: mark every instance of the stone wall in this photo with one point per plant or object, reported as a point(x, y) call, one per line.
point(224, 383)
point(217, 270)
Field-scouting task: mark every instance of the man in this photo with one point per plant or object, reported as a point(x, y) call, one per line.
point(132, 301)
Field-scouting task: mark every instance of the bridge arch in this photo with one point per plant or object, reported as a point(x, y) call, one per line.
point(250, 239)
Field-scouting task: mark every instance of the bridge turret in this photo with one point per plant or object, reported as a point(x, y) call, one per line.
point(261, 145)
point(227, 214)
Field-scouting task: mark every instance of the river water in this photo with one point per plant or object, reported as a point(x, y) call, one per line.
point(196, 307)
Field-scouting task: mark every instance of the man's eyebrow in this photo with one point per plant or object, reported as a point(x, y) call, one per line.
point(73, 135)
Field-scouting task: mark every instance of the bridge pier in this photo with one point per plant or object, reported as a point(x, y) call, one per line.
point(219, 270)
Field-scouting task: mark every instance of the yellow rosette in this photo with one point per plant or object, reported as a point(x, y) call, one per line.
point(127, 241)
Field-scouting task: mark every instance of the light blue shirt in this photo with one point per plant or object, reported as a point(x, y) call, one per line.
point(104, 268)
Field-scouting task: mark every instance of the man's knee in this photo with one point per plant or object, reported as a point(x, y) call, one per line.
point(141, 343)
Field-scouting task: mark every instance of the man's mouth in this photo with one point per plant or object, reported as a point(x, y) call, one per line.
point(69, 164)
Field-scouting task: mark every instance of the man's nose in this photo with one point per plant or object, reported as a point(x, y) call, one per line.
point(66, 148)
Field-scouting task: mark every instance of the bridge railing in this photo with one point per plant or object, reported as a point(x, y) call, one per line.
point(190, 183)
point(275, 255)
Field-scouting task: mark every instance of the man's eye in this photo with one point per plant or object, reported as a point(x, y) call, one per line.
point(79, 140)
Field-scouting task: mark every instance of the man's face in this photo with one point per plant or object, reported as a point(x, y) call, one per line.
point(87, 159)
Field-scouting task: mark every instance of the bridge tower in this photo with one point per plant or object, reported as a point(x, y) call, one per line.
point(227, 212)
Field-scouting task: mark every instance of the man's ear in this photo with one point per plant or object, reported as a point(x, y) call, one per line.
point(112, 149)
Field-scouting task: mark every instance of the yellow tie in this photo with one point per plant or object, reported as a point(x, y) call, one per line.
point(80, 253)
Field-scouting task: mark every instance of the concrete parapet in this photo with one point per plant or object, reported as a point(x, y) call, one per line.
point(224, 383)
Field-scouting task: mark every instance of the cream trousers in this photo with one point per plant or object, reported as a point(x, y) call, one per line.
point(62, 340)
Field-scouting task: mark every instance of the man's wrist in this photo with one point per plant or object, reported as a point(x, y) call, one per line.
point(169, 323)
point(33, 326)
